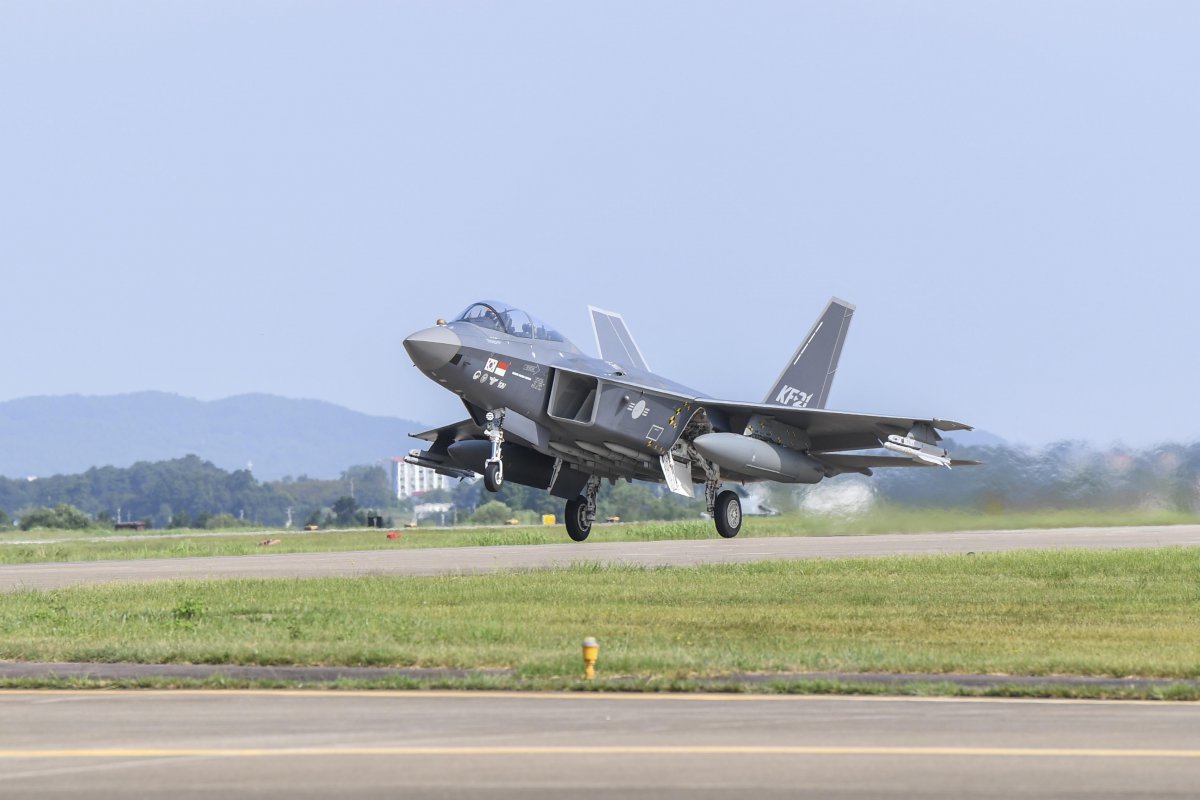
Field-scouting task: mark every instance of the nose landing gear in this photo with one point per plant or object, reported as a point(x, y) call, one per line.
point(493, 467)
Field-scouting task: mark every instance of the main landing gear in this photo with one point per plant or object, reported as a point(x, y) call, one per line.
point(581, 511)
point(724, 507)
point(493, 467)
point(727, 513)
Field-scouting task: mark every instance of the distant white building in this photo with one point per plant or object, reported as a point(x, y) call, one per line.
point(409, 479)
point(443, 510)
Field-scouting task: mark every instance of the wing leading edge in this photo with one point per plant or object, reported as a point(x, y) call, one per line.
point(467, 429)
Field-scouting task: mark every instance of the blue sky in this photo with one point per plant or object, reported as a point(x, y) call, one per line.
point(214, 198)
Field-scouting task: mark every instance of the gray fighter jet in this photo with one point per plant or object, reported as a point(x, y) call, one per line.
point(545, 414)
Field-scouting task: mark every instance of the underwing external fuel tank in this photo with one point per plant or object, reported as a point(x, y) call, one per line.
point(755, 458)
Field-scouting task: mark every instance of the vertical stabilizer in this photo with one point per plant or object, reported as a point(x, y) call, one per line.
point(614, 341)
point(805, 381)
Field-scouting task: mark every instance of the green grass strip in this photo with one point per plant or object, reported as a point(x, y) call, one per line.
point(1121, 613)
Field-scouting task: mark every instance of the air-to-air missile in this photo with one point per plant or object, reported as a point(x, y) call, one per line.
point(918, 450)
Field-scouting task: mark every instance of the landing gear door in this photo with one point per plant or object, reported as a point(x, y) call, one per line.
point(677, 476)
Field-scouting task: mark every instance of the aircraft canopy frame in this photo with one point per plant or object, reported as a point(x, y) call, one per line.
point(509, 320)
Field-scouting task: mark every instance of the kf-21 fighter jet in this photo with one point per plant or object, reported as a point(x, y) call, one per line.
point(545, 414)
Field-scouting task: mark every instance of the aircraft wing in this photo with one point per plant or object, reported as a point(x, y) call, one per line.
point(454, 432)
point(436, 458)
point(827, 430)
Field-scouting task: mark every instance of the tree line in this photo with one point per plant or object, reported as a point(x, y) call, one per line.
point(191, 492)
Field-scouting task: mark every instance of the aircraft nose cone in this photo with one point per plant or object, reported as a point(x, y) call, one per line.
point(433, 347)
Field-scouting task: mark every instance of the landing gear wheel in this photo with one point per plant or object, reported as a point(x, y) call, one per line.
point(493, 477)
point(579, 522)
point(727, 513)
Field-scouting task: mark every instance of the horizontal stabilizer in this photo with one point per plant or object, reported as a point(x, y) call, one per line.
point(853, 461)
point(614, 341)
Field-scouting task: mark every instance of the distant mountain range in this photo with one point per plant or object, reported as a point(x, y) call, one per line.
point(41, 436)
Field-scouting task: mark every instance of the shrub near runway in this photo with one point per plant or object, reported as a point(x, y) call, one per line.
point(65, 547)
point(1034, 613)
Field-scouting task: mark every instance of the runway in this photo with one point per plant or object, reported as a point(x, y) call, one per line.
point(469, 560)
point(446, 744)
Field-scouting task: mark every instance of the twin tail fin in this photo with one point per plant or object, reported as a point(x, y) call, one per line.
point(806, 380)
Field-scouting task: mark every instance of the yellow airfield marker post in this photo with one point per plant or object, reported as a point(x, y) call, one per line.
point(591, 650)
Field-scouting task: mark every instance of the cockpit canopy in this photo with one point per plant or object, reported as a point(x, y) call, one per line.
point(504, 318)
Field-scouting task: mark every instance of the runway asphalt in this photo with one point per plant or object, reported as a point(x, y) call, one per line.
point(444, 744)
point(454, 560)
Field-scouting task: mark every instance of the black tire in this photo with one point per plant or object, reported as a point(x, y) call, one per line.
point(493, 479)
point(578, 524)
point(727, 513)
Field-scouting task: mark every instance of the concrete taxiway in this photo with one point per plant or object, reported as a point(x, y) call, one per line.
point(447, 744)
point(468, 560)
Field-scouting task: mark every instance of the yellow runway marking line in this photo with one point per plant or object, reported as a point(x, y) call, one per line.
point(693, 697)
point(635, 750)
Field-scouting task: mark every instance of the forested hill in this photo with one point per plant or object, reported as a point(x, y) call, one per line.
point(41, 436)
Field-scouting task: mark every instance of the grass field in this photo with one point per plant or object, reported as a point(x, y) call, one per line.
point(78, 546)
point(1120, 613)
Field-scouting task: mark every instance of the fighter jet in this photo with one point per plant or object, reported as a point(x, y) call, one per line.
point(542, 413)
